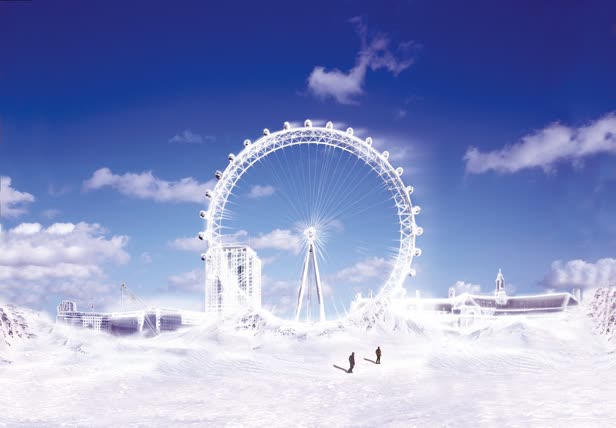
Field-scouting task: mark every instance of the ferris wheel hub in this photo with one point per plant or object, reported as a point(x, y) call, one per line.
point(310, 233)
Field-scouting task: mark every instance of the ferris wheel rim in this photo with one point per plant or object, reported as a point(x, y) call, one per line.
point(346, 141)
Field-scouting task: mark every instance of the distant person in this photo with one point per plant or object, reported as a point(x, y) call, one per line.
point(378, 355)
point(351, 362)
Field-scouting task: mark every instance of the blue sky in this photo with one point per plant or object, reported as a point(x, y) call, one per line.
point(501, 115)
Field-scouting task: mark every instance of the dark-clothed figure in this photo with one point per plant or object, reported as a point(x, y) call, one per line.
point(351, 362)
point(378, 355)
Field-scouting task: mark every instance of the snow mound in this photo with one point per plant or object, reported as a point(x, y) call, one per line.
point(17, 327)
point(602, 309)
point(14, 326)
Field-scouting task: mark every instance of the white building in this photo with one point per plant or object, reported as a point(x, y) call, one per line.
point(232, 278)
point(151, 320)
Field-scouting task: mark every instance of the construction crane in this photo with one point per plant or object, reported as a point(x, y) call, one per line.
point(133, 297)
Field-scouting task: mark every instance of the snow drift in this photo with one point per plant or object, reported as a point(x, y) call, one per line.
point(253, 369)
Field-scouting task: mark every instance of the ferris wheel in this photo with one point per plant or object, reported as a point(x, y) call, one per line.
point(274, 144)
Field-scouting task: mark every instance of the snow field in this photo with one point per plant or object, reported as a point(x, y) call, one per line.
point(547, 371)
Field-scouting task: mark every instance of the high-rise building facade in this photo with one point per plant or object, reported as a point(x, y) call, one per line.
point(232, 278)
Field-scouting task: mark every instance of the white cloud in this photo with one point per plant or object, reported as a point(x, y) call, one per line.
point(274, 287)
point(369, 269)
point(196, 245)
point(258, 191)
point(27, 229)
point(192, 282)
point(51, 213)
point(400, 113)
point(147, 186)
point(36, 262)
point(188, 244)
point(403, 151)
point(12, 201)
point(375, 54)
point(61, 228)
point(547, 147)
point(581, 274)
point(189, 137)
point(281, 239)
point(466, 287)
point(145, 258)
point(58, 190)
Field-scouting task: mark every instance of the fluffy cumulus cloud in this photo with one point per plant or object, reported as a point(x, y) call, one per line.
point(375, 54)
point(280, 239)
point(189, 137)
point(547, 147)
point(466, 287)
point(369, 269)
point(62, 258)
point(146, 186)
point(258, 191)
point(12, 201)
point(581, 274)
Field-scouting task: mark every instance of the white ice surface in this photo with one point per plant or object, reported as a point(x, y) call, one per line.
point(547, 371)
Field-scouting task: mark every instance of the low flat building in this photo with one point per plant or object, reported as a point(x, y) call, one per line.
point(499, 303)
point(148, 321)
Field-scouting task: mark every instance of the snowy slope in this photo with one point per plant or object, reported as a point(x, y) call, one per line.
point(14, 326)
point(601, 306)
point(256, 370)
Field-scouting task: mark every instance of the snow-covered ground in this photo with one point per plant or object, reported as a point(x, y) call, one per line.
point(545, 371)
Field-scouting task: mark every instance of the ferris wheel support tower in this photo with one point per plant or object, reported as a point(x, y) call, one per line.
point(311, 254)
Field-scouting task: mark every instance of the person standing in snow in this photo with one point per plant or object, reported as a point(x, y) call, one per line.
point(351, 362)
point(378, 355)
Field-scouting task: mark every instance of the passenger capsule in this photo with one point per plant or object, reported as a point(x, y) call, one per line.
point(286, 126)
point(385, 155)
point(410, 189)
point(399, 171)
point(369, 141)
point(246, 143)
point(266, 132)
point(416, 209)
point(203, 256)
point(417, 252)
point(308, 123)
point(201, 236)
point(329, 125)
point(202, 214)
point(208, 194)
point(349, 131)
point(412, 272)
point(218, 174)
point(418, 231)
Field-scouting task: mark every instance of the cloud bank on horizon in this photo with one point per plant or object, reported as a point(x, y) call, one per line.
point(62, 259)
point(581, 274)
